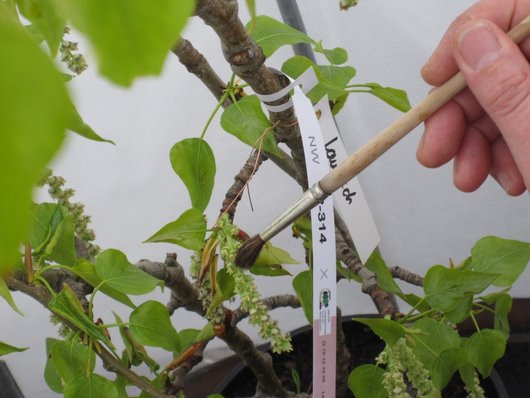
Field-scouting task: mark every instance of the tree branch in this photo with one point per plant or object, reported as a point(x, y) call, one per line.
point(381, 299)
point(197, 64)
point(184, 294)
point(247, 61)
point(233, 196)
point(273, 302)
point(43, 296)
point(407, 276)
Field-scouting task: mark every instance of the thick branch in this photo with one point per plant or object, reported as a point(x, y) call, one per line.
point(259, 362)
point(247, 61)
point(197, 64)
point(381, 299)
point(407, 276)
point(280, 301)
point(183, 293)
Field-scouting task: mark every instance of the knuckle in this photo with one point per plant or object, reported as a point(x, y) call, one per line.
point(509, 94)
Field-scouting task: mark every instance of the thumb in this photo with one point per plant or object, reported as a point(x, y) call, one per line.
point(498, 74)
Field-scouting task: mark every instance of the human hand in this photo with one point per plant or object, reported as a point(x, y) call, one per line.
point(485, 128)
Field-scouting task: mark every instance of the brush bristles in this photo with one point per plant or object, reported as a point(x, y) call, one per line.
point(248, 253)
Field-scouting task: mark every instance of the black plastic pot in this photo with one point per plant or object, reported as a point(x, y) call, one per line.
point(509, 379)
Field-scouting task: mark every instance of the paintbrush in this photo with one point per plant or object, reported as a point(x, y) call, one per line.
point(363, 157)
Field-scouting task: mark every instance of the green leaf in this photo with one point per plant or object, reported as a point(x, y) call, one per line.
point(445, 287)
point(225, 290)
point(34, 101)
point(269, 270)
point(484, 348)
point(251, 5)
point(366, 381)
point(142, 32)
point(467, 373)
point(505, 257)
point(246, 121)
point(78, 126)
point(415, 301)
point(52, 233)
point(206, 333)
point(270, 35)
point(335, 56)
point(150, 325)
point(388, 330)
point(461, 310)
point(7, 349)
point(226, 284)
point(187, 337)
point(90, 386)
point(270, 260)
point(87, 271)
point(6, 295)
point(187, 231)
point(392, 96)
point(136, 353)
point(385, 281)
point(332, 79)
point(503, 306)
point(446, 364)
point(435, 337)
point(113, 268)
point(72, 359)
point(303, 286)
point(46, 18)
point(67, 305)
point(194, 162)
point(51, 374)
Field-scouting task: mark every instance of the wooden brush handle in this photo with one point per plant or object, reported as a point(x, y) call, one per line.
point(385, 139)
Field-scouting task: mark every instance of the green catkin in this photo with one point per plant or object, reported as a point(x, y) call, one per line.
point(74, 61)
point(401, 361)
point(76, 210)
point(246, 288)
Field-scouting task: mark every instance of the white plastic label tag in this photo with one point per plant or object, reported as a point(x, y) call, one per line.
point(324, 255)
point(350, 201)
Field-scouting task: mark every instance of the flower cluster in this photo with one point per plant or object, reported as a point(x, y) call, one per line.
point(74, 61)
point(246, 288)
point(76, 210)
point(401, 360)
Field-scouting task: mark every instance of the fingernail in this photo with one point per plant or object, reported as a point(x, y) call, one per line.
point(479, 47)
point(505, 180)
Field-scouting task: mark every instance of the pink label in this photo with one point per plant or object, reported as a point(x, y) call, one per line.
point(324, 360)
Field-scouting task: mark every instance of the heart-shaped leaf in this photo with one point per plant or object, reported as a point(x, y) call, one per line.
point(113, 268)
point(194, 162)
point(245, 120)
point(150, 325)
point(367, 381)
point(505, 257)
